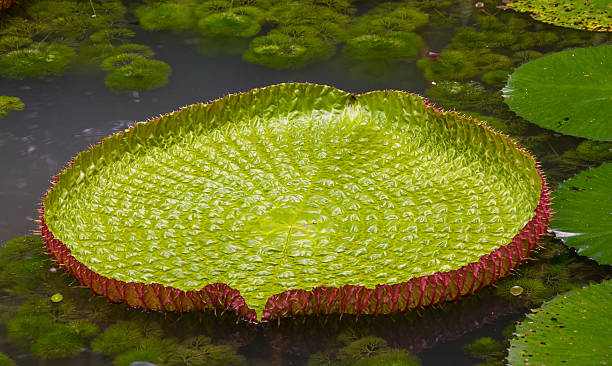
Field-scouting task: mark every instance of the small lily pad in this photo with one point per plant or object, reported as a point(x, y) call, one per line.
point(571, 329)
point(568, 92)
point(584, 206)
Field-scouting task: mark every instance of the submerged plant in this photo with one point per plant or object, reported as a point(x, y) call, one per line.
point(390, 47)
point(118, 338)
point(8, 104)
point(6, 360)
point(130, 71)
point(301, 261)
point(394, 357)
point(485, 348)
point(166, 15)
point(41, 59)
point(235, 22)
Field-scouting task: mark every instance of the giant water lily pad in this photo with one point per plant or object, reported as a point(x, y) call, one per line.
point(571, 329)
point(297, 199)
point(593, 15)
point(569, 92)
point(584, 205)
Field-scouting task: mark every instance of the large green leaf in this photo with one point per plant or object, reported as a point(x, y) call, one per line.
point(594, 15)
point(584, 205)
point(291, 187)
point(569, 92)
point(571, 329)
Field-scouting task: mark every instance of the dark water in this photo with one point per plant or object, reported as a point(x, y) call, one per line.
point(67, 114)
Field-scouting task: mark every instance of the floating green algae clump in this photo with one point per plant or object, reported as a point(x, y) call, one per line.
point(237, 22)
point(40, 59)
point(131, 71)
point(8, 104)
point(297, 187)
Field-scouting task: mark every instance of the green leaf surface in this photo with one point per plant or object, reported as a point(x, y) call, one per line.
point(290, 187)
point(584, 205)
point(571, 329)
point(568, 92)
point(593, 15)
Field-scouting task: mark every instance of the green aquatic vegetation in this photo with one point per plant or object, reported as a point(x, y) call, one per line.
point(389, 17)
point(568, 92)
point(583, 206)
point(138, 74)
point(26, 328)
point(118, 338)
point(280, 50)
point(496, 77)
point(12, 43)
point(120, 60)
point(161, 16)
point(8, 104)
point(112, 34)
point(508, 127)
point(97, 53)
point(200, 351)
point(593, 15)
point(59, 342)
point(6, 360)
point(41, 59)
point(394, 357)
point(485, 348)
point(22, 263)
point(366, 347)
point(236, 22)
point(152, 350)
point(570, 329)
point(451, 64)
point(587, 153)
point(70, 21)
point(526, 56)
point(462, 96)
point(394, 46)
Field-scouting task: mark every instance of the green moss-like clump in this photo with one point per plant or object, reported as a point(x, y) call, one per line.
point(485, 348)
point(130, 71)
point(22, 264)
point(118, 338)
point(285, 48)
point(450, 65)
point(6, 360)
point(161, 16)
point(12, 43)
point(365, 347)
point(8, 104)
point(236, 22)
point(394, 46)
point(200, 351)
point(41, 59)
point(395, 357)
point(496, 77)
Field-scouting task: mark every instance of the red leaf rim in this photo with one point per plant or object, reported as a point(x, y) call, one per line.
point(417, 292)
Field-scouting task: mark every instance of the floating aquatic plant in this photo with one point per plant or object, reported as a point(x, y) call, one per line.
point(166, 15)
point(8, 104)
point(6, 360)
point(130, 71)
point(593, 15)
point(283, 48)
point(567, 91)
point(323, 222)
point(41, 59)
point(571, 329)
point(393, 46)
point(22, 263)
point(485, 348)
point(583, 206)
point(235, 22)
point(118, 338)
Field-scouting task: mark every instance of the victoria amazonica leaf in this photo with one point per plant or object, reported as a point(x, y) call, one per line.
point(593, 15)
point(571, 329)
point(568, 92)
point(584, 206)
point(303, 198)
